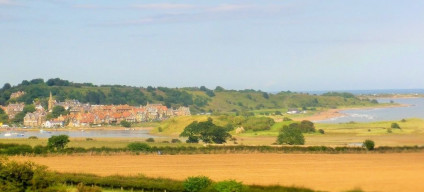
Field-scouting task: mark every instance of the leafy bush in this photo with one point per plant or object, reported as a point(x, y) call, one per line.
point(39, 149)
point(58, 142)
point(395, 126)
point(137, 146)
point(175, 141)
point(23, 176)
point(151, 140)
point(369, 144)
point(33, 137)
point(125, 124)
point(195, 184)
point(321, 131)
point(258, 123)
point(229, 186)
point(307, 126)
point(290, 135)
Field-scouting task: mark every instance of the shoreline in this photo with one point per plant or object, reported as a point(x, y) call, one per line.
point(77, 129)
point(336, 113)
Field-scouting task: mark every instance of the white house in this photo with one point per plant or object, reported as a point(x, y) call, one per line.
point(51, 124)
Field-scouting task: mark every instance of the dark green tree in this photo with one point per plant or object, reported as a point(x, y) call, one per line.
point(19, 118)
point(125, 124)
point(369, 144)
point(206, 131)
point(306, 126)
point(57, 111)
point(395, 126)
point(290, 135)
point(4, 118)
point(6, 86)
point(58, 142)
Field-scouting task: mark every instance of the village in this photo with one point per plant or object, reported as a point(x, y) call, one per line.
point(84, 114)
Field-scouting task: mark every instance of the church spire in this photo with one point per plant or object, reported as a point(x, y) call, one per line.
point(51, 103)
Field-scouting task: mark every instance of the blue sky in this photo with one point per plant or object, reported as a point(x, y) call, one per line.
point(268, 45)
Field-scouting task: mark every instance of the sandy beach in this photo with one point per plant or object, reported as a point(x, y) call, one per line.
point(334, 113)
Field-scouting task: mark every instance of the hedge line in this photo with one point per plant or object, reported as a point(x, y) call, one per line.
point(22, 149)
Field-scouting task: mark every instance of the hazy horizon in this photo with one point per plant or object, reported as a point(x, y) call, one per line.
point(300, 45)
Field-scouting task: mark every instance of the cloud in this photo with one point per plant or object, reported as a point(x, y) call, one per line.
point(166, 6)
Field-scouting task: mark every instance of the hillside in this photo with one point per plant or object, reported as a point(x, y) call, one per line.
point(199, 99)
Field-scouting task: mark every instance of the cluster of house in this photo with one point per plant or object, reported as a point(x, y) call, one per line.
point(81, 115)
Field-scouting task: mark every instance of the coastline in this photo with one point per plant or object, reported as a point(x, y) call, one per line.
point(78, 129)
point(335, 113)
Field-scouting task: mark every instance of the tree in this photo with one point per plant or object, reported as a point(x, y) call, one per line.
point(205, 131)
point(6, 86)
point(307, 126)
point(19, 118)
point(57, 142)
point(137, 146)
point(4, 118)
point(290, 135)
point(57, 111)
point(395, 126)
point(125, 124)
point(369, 144)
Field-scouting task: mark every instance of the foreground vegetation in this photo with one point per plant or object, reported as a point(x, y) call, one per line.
point(137, 148)
point(17, 177)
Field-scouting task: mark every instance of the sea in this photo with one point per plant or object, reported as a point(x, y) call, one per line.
point(414, 109)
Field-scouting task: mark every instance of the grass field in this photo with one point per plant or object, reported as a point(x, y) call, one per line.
point(341, 172)
point(411, 133)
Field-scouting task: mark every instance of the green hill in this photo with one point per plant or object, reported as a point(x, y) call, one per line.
point(199, 99)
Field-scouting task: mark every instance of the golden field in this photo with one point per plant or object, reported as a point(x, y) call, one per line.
point(329, 172)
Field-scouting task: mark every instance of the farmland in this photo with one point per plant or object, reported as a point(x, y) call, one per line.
point(341, 172)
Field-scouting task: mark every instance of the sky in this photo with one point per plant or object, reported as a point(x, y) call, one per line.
point(297, 45)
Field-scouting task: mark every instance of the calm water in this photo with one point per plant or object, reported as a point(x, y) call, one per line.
point(87, 133)
point(416, 110)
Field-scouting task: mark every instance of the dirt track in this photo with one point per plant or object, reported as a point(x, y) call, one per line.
point(332, 172)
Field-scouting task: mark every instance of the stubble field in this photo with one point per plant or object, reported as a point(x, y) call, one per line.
point(329, 172)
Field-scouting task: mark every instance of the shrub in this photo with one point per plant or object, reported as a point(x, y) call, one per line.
point(23, 176)
point(403, 120)
point(369, 144)
point(82, 188)
point(195, 184)
point(229, 186)
point(389, 130)
point(307, 126)
point(321, 131)
point(89, 139)
point(137, 146)
point(33, 137)
point(175, 141)
point(125, 124)
point(395, 126)
point(290, 135)
point(151, 140)
point(39, 149)
point(258, 123)
point(58, 142)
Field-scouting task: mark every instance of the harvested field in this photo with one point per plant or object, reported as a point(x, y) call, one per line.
point(330, 172)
